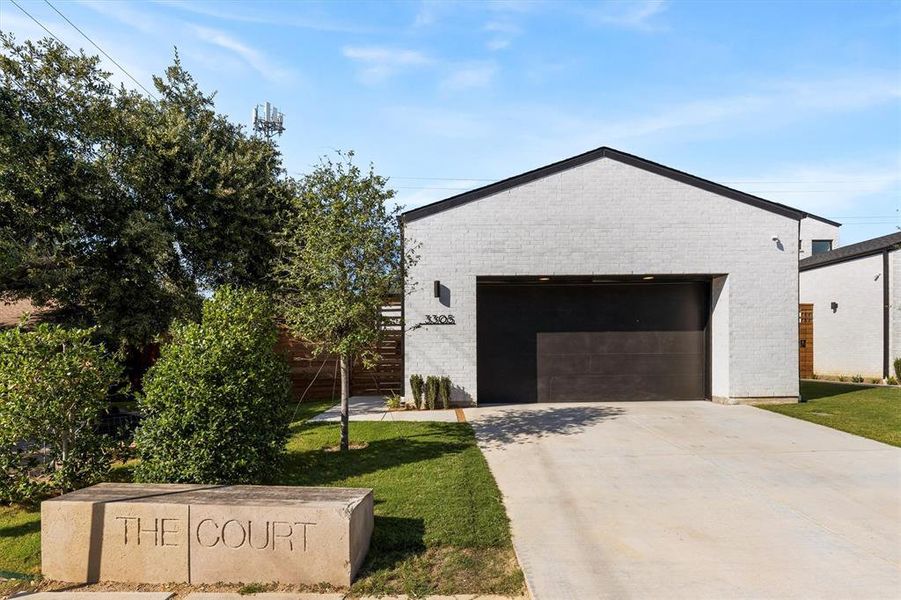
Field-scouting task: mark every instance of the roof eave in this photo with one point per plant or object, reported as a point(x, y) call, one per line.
point(590, 156)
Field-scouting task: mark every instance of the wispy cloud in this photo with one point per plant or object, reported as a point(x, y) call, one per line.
point(772, 105)
point(380, 62)
point(502, 34)
point(469, 76)
point(640, 15)
point(317, 22)
point(441, 122)
point(252, 57)
point(141, 20)
point(236, 52)
point(832, 189)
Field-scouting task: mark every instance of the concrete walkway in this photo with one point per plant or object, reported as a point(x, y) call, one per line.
point(693, 500)
point(372, 408)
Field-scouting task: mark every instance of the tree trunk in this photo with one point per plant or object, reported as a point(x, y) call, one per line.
point(345, 396)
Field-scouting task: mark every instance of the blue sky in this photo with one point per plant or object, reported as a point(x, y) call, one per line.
point(797, 102)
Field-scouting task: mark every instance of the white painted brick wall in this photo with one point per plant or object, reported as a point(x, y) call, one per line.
point(608, 218)
point(814, 229)
point(895, 307)
point(849, 340)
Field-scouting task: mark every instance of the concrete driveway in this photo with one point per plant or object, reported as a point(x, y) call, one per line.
point(693, 500)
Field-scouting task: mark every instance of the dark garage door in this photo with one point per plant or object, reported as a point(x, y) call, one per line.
point(577, 342)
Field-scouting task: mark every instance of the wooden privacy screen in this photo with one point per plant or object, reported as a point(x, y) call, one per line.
point(805, 340)
point(322, 376)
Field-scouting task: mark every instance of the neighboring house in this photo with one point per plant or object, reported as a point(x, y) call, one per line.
point(605, 277)
point(856, 295)
point(12, 313)
point(817, 235)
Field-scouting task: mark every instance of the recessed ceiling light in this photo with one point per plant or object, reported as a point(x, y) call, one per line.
point(648, 277)
point(544, 279)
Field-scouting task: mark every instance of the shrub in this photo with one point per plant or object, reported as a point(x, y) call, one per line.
point(857, 379)
point(898, 368)
point(842, 378)
point(53, 393)
point(444, 391)
point(215, 403)
point(431, 391)
point(892, 381)
point(416, 388)
point(392, 401)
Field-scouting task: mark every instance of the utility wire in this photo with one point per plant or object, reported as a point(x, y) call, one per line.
point(102, 51)
point(41, 25)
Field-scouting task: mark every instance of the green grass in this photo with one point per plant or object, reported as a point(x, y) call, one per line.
point(440, 525)
point(20, 542)
point(872, 412)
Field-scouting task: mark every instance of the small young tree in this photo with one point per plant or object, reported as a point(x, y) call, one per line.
point(216, 401)
point(53, 392)
point(341, 257)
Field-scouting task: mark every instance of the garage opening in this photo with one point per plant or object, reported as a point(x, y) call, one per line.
point(591, 339)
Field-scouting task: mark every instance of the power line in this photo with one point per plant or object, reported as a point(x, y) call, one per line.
point(442, 178)
point(41, 25)
point(733, 181)
point(102, 51)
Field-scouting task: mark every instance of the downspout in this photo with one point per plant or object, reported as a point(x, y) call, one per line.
point(885, 315)
point(797, 311)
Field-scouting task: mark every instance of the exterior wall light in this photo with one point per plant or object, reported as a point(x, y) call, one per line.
point(834, 306)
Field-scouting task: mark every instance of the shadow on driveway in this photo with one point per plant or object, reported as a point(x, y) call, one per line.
point(523, 424)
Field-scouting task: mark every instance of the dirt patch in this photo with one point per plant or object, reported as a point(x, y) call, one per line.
point(181, 590)
point(352, 446)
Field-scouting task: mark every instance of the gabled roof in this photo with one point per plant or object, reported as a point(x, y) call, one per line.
point(891, 241)
point(823, 219)
point(590, 156)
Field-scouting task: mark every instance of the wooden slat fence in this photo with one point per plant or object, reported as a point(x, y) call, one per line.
point(805, 340)
point(319, 377)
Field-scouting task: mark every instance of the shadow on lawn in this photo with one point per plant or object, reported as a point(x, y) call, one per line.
point(394, 541)
point(317, 467)
point(20, 529)
point(523, 424)
point(813, 390)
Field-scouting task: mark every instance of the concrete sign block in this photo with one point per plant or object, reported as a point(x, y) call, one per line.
point(163, 533)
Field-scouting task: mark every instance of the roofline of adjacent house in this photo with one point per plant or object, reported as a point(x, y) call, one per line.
point(871, 247)
point(823, 219)
point(592, 155)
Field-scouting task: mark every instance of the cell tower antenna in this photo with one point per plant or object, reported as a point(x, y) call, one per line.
point(268, 120)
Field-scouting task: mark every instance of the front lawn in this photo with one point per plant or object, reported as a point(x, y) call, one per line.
point(872, 412)
point(440, 526)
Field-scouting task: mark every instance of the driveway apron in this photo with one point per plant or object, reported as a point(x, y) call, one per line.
point(693, 500)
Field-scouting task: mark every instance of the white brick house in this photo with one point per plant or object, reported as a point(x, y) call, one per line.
point(605, 276)
point(818, 235)
point(856, 295)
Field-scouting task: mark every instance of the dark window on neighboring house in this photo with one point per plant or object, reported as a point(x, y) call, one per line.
point(818, 246)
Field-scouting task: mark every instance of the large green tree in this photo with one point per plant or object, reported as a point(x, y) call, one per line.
point(341, 258)
point(120, 209)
